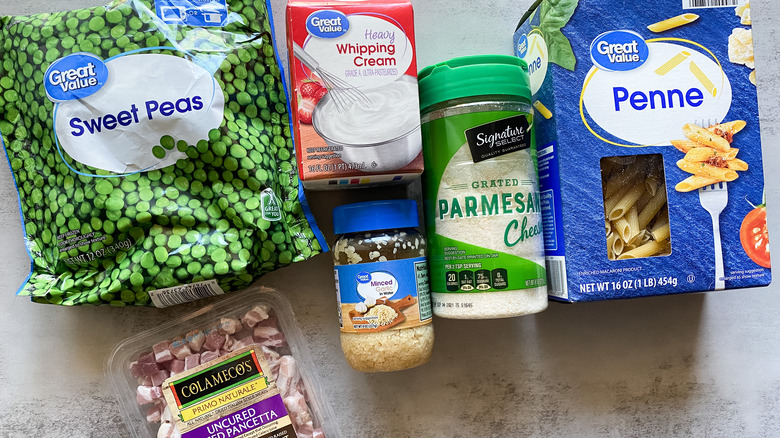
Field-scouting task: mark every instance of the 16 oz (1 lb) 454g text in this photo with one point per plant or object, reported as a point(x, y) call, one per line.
point(638, 283)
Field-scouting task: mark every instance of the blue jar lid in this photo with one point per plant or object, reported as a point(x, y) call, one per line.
point(375, 215)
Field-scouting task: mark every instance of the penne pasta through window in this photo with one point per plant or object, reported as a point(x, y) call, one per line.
point(636, 216)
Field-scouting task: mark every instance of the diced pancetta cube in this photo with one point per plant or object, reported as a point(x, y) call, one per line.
point(255, 315)
point(208, 356)
point(268, 336)
point(298, 410)
point(195, 340)
point(166, 430)
point(162, 352)
point(245, 342)
point(147, 365)
point(135, 369)
point(305, 431)
point(272, 357)
point(191, 361)
point(271, 321)
point(318, 433)
point(159, 377)
point(149, 369)
point(229, 341)
point(147, 357)
point(167, 417)
point(177, 366)
point(289, 379)
point(147, 394)
point(154, 413)
point(214, 340)
point(229, 326)
point(180, 350)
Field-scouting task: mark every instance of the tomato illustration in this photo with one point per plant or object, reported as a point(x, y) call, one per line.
point(754, 236)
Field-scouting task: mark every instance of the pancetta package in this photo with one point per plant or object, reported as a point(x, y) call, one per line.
point(235, 368)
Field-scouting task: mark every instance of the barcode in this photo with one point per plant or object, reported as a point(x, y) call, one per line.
point(185, 293)
point(556, 277)
point(694, 4)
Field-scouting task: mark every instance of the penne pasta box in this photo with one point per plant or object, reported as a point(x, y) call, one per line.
point(649, 146)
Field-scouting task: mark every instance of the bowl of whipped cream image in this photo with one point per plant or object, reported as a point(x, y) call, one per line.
point(378, 131)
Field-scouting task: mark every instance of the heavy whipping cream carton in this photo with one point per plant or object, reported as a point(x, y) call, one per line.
point(356, 116)
point(649, 148)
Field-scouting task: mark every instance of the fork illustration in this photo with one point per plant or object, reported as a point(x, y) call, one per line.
point(714, 199)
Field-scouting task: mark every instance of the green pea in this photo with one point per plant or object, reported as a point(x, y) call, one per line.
point(147, 260)
point(167, 142)
point(221, 268)
point(174, 241)
point(158, 152)
point(96, 23)
point(160, 254)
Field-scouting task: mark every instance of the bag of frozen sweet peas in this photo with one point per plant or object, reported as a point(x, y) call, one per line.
point(150, 144)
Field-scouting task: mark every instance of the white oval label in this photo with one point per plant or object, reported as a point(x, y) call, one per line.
point(533, 50)
point(145, 97)
point(650, 104)
point(379, 284)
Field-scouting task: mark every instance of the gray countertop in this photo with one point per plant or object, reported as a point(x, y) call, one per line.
point(685, 365)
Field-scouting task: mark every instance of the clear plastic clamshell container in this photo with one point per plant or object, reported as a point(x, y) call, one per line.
point(235, 368)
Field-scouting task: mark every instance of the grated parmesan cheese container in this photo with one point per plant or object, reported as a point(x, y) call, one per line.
point(382, 288)
point(481, 189)
point(234, 368)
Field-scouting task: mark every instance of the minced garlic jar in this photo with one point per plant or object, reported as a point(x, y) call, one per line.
point(382, 287)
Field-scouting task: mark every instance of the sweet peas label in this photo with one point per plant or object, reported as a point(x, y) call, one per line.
point(143, 97)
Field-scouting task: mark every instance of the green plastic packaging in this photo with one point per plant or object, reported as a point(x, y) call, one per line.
point(153, 158)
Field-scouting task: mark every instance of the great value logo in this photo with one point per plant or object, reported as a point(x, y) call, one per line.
point(641, 93)
point(327, 24)
point(619, 50)
point(75, 76)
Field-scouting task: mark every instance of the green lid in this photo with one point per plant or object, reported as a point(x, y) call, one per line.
point(474, 76)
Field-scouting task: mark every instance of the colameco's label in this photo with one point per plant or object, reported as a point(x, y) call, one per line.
point(111, 114)
point(232, 396)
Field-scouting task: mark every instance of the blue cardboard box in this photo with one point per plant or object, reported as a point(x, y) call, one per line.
point(649, 146)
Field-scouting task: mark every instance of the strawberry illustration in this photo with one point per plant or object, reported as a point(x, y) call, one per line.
point(310, 93)
point(305, 109)
point(313, 89)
